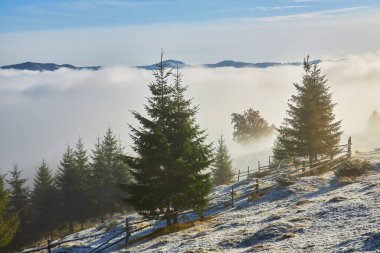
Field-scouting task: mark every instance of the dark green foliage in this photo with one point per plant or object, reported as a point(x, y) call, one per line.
point(82, 170)
point(310, 130)
point(18, 203)
point(9, 222)
point(353, 168)
point(70, 188)
point(44, 201)
point(108, 172)
point(250, 126)
point(171, 151)
point(222, 166)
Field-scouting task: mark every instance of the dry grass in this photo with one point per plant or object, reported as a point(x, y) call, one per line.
point(171, 229)
point(352, 168)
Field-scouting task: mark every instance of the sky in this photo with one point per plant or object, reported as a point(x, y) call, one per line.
point(131, 32)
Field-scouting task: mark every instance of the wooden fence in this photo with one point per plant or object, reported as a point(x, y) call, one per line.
point(273, 173)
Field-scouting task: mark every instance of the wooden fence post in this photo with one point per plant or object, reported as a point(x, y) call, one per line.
point(49, 246)
point(232, 196)
point(128, 233)
point(349, 147)
point(269, 160)
point(239, 176)
point(248, 172)
point(258, 164)
point(257, 184)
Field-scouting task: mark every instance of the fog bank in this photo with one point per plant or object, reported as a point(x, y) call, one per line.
point(41, 112)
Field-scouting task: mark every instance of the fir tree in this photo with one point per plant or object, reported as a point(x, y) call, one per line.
point(171, 150)
point(189, 153)
point(83, 173)
point(44, 200)
point(9, 222)
point(108, 171)
point(99, 177)
point(310, 130)
point(121, 176)
point(68, 182)
point(18, 203)
point(222, 166)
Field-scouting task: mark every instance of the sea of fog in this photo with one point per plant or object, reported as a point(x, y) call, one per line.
point(42, 112)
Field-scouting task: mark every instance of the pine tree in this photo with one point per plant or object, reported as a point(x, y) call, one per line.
point(68, 182)
point(189, 154)
point(99, 177)
point(310, 130)
point(222, 166)
point(44, 204)
point(83, 173)
point(108, 171)
point(9, 222)
point(121, 176)
point(18, 203)
point(151, 195)
point(171, 150)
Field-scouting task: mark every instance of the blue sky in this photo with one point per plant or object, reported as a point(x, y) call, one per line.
point(113, 32)
point(27, 15)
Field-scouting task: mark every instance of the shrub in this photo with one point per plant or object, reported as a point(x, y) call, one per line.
point(353, 168)
point(260, 174)
point(286, 180)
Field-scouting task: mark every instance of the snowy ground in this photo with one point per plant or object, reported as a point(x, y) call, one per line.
point(316, 214)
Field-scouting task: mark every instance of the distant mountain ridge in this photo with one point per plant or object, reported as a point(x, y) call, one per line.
point(45, 66)
point(169, 63)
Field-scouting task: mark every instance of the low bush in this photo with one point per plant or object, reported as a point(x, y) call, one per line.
point(260, 174)
point(286, 180)
point(353, 168)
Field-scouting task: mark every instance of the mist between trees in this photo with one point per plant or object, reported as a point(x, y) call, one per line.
point(168, 170)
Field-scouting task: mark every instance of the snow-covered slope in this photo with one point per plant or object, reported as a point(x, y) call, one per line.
point(316, 214)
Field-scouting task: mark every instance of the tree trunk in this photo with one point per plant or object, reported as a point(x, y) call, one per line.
point(168, 217)
point(311, 160)
point(175, 216)
point(71, 227)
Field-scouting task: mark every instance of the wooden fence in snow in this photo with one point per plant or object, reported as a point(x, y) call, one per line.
point(271, 169)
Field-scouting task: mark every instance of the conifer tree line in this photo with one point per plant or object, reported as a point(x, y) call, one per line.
point(84, 186)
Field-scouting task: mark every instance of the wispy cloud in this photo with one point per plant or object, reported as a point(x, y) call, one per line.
point(318, 14)
point(276, 8)
point(302, 1)
point(92, 4)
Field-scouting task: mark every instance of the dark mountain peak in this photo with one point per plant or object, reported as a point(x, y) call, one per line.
point(44, 66)
point(168, 63)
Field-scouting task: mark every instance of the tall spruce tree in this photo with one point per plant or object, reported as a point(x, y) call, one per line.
point(108, 172)
point(83, 174)
point(44, 204)
point(9, 222)
point(19, 203)
point(68, 182)
point(189, 153)
point(310, 130)
point(222, 165)
point(171, 152)
point(99, 179)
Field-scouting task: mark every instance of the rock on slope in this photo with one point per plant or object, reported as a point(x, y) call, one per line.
point(316, 214)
